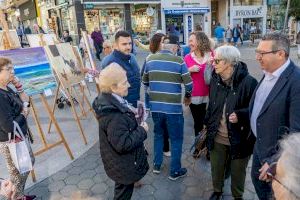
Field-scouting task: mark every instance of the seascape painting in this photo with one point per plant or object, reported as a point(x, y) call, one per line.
point(14, 39)
point(66, 63)
point(32, 67)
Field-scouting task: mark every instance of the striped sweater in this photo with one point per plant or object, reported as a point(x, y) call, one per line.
point(164, 73)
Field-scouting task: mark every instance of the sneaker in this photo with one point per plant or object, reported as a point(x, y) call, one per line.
point(216, 196)
point(167, 154)
point(156, 169)
point(181, 173)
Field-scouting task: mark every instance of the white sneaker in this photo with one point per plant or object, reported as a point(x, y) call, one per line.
point(167, 154)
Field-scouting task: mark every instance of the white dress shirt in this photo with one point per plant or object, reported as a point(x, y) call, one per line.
point(263, 92)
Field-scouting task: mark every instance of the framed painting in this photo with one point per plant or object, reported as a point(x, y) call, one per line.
point(66, 63)
point(34, 40)
point(14, 40)
point(32, 67)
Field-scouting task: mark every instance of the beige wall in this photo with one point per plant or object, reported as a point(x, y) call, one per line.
point(223, 10)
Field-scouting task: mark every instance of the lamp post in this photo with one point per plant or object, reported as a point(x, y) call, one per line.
point(286, 15)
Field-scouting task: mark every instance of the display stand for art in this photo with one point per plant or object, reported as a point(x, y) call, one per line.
point(92, 61)
point(7, 42)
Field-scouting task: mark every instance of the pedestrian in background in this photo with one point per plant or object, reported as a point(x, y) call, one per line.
point(227, 121)
point(121, 138)
point(107, 47)
point(164, 74)
point(123, 56)
point(66, 37)
point(219, 34)
point(98, 41)
point(196, 61)
point(298, 43)
point(274, 107)
point(284, 174)
point(228, 34)
point(236, 33)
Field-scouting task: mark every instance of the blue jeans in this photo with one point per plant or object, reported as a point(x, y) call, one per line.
point(174, 125)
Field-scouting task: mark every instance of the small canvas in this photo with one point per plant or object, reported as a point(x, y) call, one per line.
point(34, 40)
point(65, 63)
point(32, 67)
point(14, 39)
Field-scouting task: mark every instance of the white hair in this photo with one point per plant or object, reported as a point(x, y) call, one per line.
point(290, 162)
point(230, 54)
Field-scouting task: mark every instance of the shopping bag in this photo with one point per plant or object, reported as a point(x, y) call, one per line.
point(20, 150)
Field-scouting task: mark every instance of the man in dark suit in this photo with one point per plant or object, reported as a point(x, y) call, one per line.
point(274, 108)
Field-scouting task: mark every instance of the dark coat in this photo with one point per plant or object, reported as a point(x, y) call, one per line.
point(129, 64)
point(121, 141)
point(11, 107)
point(237, 98)
point(281, 110)
point(298, 38)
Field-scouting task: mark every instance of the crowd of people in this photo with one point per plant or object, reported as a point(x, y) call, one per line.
point(241, 116)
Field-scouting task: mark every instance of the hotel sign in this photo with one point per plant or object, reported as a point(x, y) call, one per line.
point(248, 11)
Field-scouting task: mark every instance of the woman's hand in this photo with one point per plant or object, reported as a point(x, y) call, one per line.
point(8, 189)
point(145, 126)
point(233, 118)
point(194, 68)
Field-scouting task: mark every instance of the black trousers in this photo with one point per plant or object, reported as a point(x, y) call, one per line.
point(262, 188)
point(198, 113)
point(123, 192)
point(99, 49)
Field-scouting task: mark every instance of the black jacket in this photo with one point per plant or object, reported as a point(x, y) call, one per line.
point(281, 110)
point(121, 141)
point(11, 107)
point(237, 98)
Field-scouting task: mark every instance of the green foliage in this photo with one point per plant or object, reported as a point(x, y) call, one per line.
point(294, 8)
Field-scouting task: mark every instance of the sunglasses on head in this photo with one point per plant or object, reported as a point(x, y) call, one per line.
point(271, 173)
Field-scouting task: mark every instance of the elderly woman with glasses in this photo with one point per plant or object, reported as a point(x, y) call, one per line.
point(229, 140)
point(285, 174)
point(121, 137)
point(13, 108)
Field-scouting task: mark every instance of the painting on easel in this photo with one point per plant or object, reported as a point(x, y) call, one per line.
point(35, 39)
point(32, 67)
point(65, 63)
point(14, 39)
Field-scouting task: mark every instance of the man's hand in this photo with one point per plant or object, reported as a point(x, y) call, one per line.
point(187, 101)
point(233, 118)
point(263, 172)
point(8, 189)
point(145, 126)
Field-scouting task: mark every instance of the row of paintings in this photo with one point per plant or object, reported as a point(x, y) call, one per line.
point(33, 68)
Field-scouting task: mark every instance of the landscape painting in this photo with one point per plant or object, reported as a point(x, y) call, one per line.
point(14, 39)
point(32, 67)
point(66, 63)
point(34, 40)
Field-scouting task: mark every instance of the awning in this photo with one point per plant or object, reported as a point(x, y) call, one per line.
point(103, 2)
point(178, 11)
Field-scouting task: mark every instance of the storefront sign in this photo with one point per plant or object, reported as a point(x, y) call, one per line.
point(248, 11)
point(89, 6)
point(184, 3)
point(186, 10)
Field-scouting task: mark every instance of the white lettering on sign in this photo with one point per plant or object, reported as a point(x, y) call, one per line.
point(251, 11)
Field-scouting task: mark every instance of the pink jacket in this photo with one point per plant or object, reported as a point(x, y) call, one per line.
point(199, 86)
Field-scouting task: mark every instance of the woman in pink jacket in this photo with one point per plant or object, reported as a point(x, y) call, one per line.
point(196, 61)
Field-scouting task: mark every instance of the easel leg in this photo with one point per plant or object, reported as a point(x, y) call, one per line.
point(87, 101)
point(53, 108)
point(38, 124)
point(33, 176)
point(79, 103)
point(76, 117)
point(56, 126)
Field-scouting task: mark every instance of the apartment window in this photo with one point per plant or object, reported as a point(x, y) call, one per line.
point(247, 2)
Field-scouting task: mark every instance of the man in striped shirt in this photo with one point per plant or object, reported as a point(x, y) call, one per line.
point(164, 74)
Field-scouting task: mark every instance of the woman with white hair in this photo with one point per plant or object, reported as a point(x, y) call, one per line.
point(121, 137)
point(285, 174)
point(229, 139)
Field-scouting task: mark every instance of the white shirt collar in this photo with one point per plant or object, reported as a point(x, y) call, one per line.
point(119, 98)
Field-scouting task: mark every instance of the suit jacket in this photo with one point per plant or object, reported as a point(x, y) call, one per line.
point(280, 111)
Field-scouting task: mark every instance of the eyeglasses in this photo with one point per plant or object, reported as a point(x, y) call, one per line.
point(217, 61)
point(9, 69)
point(262, 53)
point(271, 173)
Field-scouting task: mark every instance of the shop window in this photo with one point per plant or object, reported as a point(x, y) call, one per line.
point(247, 2)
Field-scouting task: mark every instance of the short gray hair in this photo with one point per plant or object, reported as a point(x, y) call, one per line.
point(279, 42)
point(169, 47)
point(228, 53)
point(110, 76)
point(290, 162)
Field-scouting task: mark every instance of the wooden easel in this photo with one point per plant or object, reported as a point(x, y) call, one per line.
point(7, 42)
